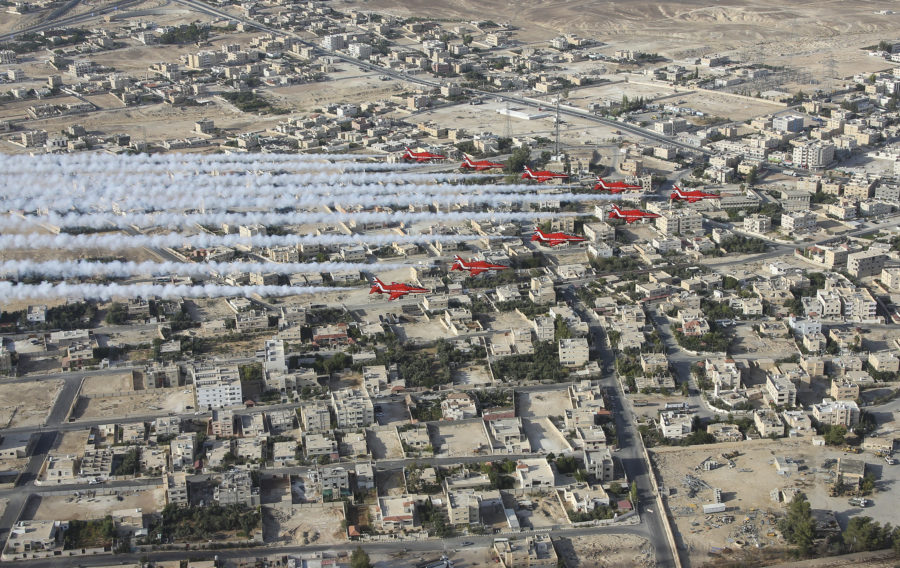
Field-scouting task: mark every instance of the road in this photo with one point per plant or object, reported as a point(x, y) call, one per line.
point(630, 443)
point(56, 19)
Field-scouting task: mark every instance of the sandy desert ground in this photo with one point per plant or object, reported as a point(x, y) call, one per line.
point(27, 404)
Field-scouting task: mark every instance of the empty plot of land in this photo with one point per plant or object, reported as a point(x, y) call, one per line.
point(90, 506)
point(70, 443)
point(472, 375)
point(459, 438)
point(390, 482)
point(27, 404)
point(107, 384)
point(536, 404)
point(384, 443)
point(544, 437)
point(745, 488)
point(605, 551)
point(139, 404)
point(547, 512)
point(304, 525)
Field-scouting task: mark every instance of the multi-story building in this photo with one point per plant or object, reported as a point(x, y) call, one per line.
point(813, 155)
point(679, 222)
point(222, 423)
point(836, 412)
point(181, 450)
point(216, 387)
point(315, 417)
point(757, 223)
point(843, 390)
point(675, 426)
point(884, 362)
point(275, 361)
point(458, 406)
point(781, 391)
point(236, 488)
point(865, 263)
point(352, 408)
point(177, 488)
point(768, 423)
point(797, 222)
point(573, 352)
point(600, 464)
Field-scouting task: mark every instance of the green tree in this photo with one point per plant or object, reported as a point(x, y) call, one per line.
point(834, 436)
point(865, 534)
point(799, 527)
point(359, 559)
point(117, 314)
point(517, 160)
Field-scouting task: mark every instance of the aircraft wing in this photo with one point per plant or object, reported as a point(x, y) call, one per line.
point(476, 271)
point(395, 295)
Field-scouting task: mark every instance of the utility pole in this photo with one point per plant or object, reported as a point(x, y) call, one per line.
point(556, 157)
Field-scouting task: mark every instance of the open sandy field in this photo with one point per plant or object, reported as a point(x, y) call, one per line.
point(547, 512)
point(601, 551)
point(384, 443)
point(107, 384)
point(472, 375)
point(27, 404)
point(88, 506)
point(542, 403)
point(746, 490)
point(70, 443)
point(544, 437)
point(306, 525)
point(453, 439)
point(145, 402)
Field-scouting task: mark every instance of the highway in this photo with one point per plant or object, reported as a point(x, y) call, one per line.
point(56, 19)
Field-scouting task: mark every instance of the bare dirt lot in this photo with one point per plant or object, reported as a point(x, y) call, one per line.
point(70, 443)
point(544, 437)
point(472, 375)
point(459, 438)
point(306, 525)
point(107, 384)
point(145, 402)
point(384, 443)
point(27, 404)
point(746, 491)
point(90, 506)
point(547, 512)
point(602, 550)
point(543, 403)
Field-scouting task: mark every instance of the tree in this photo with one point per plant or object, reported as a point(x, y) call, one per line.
point(517, 160)
point(634, 493)
point(799, 527)
point(359, 559)
point(834, 436)
point(865, 534)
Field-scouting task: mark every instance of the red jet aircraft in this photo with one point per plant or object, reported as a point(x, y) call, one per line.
point(542, 175)
point(421, 156)
point(616, 186)
point(475, 267)
point(396, 290)
point(553, 239)
point(694, 196)
point(630, 215)
point(480, 165)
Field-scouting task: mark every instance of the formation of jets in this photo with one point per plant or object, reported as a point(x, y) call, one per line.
point(396, 289)
point(421, 156)
point(630, 215)
point(616, 186)
point(480, 165)
point(553, 239)
point(542, 175)
point(475, 267)
point(694, 196)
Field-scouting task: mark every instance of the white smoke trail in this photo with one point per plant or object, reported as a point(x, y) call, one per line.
point(294, 218)
point(46, 290)
point(117, 269)
point(177, 240)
